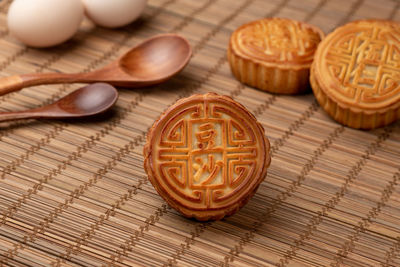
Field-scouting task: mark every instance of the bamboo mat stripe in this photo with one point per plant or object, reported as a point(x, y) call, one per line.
point(75, 193)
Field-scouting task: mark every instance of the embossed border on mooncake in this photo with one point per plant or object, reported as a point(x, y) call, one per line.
point(206, 155)
point(356, 73)
point(274, 54)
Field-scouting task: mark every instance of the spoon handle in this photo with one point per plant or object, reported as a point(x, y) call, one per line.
point(8, 116)
point(17, 82)
point(10, 84)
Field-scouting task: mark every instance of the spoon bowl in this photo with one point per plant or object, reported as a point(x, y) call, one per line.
point(153, 61)
point(86, 101)
point(156, 59)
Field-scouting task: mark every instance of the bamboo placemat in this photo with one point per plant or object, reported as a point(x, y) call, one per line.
point(74, 193)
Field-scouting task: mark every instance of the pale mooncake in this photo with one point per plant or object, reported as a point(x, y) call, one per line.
point(356, 73)
point(206, 155)
point(274, 54)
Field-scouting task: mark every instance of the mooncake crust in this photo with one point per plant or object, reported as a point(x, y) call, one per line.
point(355, 75)
point(274, 54)
point(176, 195)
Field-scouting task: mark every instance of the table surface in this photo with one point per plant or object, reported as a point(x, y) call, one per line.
point(75, 193)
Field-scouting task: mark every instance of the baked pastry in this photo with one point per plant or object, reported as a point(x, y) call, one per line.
point(274, 54)
point(206, 156)
point(356, 73)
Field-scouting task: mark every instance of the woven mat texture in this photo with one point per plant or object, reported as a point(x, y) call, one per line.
point(74, 193)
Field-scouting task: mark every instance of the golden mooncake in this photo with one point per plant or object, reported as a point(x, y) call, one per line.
point(206, 156)
point(356, 73)
point(274, 54)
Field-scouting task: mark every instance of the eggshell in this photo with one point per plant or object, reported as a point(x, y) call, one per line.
point(115, 13)
point(42, 23)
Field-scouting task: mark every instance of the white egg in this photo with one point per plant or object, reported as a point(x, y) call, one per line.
point(42, 23)
point(115, 13)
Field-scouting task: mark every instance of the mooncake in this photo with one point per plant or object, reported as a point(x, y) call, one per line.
point(206, 156)
point(356, 73)
point(274, 54)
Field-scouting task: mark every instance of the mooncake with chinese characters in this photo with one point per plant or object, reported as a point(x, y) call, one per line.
point(274, 54)
point(356, 73)
point(206, 156)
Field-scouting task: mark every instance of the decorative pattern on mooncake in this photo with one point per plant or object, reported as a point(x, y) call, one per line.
point(274, 54)
point(206, 156)
point(356, 73)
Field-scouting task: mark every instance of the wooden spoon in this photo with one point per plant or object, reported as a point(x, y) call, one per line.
point(151, 62)
point(86, 101)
